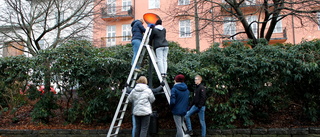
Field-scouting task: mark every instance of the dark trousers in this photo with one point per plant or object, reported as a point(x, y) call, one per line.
point(142, 126)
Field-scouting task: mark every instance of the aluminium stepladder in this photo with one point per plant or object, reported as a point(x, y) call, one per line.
point(123, 102)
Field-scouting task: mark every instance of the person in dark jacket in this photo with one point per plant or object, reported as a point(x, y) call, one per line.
point(137, 31)
point(198, 106)
point(179, 101)
point(161, 46)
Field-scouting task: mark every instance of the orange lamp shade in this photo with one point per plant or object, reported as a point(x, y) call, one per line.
point(150, 18)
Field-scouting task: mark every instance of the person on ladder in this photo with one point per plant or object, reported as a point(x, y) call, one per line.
point(161, 46)
point(137, 30)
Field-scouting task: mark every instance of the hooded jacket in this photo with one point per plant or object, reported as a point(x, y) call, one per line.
point(142, 97)
point(179, 99)
point(158, 37)
point(137, 30)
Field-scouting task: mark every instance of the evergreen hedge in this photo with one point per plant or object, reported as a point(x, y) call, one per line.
point(244, 85)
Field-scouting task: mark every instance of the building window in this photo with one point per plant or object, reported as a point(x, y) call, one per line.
point(154, 4)
point(183, 2)
point(126, 32)
point(27, 54)
point(1, 51)
point(252, 21)
point(111, 36)
point(42, 44)
point(229, 26)
point(246, 2)
point(59, 17)
point(111, 6)
point(250, 2)
point(318, 18)
point(278, 27)
point(126, 4)
point(185, 28)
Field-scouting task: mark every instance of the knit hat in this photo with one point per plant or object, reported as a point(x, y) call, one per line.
point(179, 78)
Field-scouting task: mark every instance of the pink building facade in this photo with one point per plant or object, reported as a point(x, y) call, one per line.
point(112, 24)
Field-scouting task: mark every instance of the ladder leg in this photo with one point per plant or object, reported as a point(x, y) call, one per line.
point(166, 88)
point(153, 60)
point(114, 130)
point(123, 102)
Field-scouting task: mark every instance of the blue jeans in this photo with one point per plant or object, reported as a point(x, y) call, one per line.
point(133, 125)
point(201, 114)
point(135, 47)
point(162, 54)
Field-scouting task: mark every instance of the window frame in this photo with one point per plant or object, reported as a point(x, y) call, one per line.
point(229, 26)
point(250, 19)
point(278, 25)
point(183, 2)
point(59, 19)
point(318, 19)
point(1, 51)
point(111, 7)
point(183, 25)
point(154, 4)
point(126, 32)
point(112, 33)
point(250, 2)
point(42, 44)
point(126, 4)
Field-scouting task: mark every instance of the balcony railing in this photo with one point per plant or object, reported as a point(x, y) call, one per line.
point(277, 37)
point(245, 6)
point(117, 12)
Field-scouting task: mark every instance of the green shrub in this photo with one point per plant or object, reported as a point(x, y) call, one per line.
point(43, 109)
point(13, 80)
point(244, 85)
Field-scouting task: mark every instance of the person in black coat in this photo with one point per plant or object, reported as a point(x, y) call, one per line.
point(161, 46)
point(198, 106)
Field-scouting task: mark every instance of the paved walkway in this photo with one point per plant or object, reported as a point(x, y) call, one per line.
point(279, 132)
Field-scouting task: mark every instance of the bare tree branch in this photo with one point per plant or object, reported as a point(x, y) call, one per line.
point(45, 22)
point(268, 12)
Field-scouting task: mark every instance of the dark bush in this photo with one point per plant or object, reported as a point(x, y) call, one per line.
point(244, 85)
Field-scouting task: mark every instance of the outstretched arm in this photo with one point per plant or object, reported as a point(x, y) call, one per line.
point(157, 90)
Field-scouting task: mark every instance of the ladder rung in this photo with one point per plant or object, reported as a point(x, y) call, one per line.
point(122, 111)
point(119, 118)
point(116, 127)
point(113, 135)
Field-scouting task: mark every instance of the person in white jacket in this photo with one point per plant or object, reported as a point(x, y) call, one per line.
point(142, 97)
